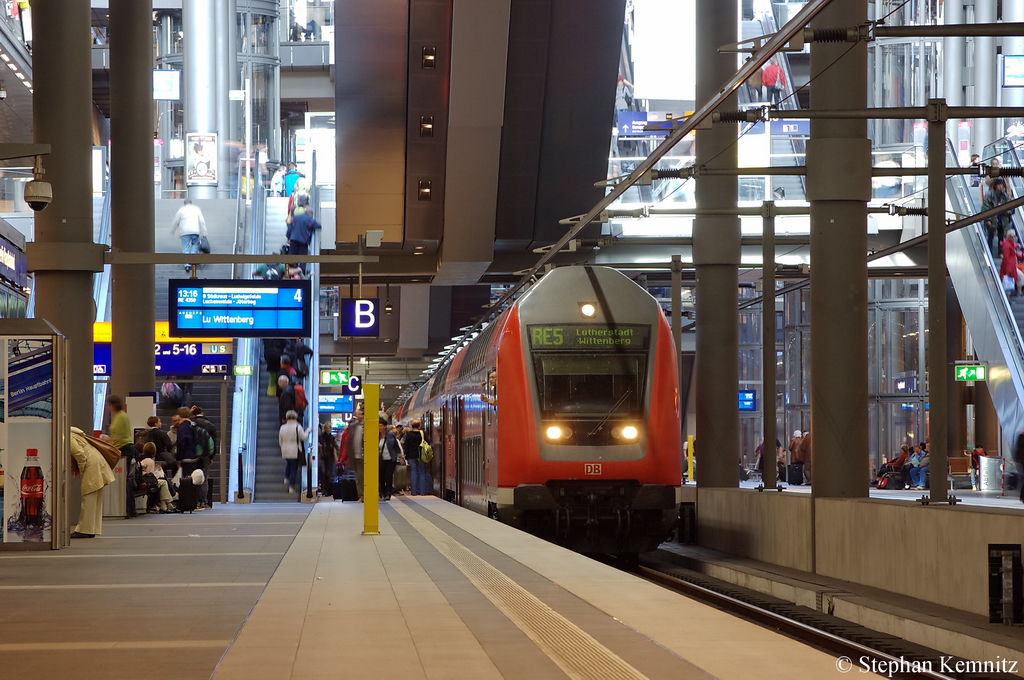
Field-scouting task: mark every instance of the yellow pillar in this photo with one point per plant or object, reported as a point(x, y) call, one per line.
point(689, 458)
point(371, 476)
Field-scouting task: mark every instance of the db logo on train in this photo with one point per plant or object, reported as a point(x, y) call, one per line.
point(591, 468)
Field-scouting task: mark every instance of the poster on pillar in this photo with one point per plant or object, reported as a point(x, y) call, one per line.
point(201, 158)
point(26, 439)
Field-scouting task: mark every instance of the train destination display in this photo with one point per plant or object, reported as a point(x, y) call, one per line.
point(238, 308)
point(589, 336)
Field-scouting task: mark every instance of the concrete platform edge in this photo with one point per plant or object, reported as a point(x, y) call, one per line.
point(822, 594)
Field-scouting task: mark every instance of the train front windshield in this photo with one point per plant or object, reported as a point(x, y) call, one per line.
point(591, 386)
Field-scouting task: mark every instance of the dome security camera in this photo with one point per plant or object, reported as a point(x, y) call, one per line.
point(38, 194)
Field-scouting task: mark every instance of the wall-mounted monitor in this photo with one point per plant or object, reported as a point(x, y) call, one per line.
point(748, 400)
point(167, 85)
point(217, 308)
point(1013, 70)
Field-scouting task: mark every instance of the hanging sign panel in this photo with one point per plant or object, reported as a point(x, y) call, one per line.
point(203, 308)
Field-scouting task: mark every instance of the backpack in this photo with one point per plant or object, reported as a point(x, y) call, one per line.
point(171, 394)
point(210, 429)
point(142, 438)
point(300, 398)
point(426, 451)
point(272, 274)
point(186, 444)
point(205, 443)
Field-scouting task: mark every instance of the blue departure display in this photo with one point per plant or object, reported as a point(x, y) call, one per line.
point(239, 308)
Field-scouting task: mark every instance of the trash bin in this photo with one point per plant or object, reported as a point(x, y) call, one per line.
point(990, 473)
point(114, 494)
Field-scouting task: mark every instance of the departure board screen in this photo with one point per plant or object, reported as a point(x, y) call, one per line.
point(216, 308)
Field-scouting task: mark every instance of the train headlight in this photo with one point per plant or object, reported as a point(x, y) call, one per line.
point(557, 432)
point(588, 309)
point(627, 432)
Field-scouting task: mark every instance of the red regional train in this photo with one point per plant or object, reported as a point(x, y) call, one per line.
point(562, 416)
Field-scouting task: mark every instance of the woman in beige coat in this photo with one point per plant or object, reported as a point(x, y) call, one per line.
point(96, 474)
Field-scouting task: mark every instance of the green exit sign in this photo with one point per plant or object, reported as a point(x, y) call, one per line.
point(334, 378)
point(243, 370)
point(966, 373)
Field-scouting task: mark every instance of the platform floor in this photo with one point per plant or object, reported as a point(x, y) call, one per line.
point(281, 591)
point(446, 593)
point(157, 597)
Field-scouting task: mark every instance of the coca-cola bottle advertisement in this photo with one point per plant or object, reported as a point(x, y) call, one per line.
point(26, 436)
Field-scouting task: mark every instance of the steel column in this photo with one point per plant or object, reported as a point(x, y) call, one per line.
point(954, 49)
point(716, 255)
point(62, 117)
point(199, 70)
point(769, 478)
point(985, 60)
point(131, 194)
point(677, 330)
point(838, 188)
point(226, 67)
point(939, 365)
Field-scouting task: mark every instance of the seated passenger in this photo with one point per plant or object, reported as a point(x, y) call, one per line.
point(976, 456)
point(163, 501)
point(919, 469)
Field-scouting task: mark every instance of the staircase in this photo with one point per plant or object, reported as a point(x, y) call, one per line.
point(269, 485)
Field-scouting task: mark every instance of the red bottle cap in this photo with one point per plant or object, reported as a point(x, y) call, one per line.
point(32, 453)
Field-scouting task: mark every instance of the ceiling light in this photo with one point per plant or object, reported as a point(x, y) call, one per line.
point(5, 57)
point(588, 309)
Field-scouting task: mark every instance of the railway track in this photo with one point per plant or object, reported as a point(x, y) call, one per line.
point(857, 649)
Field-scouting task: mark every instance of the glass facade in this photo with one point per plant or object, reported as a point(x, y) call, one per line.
point(897, 380)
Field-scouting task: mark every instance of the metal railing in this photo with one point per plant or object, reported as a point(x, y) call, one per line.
point(249, 239)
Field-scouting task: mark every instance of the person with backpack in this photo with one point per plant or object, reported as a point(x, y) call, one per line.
point(285, 398)
point(419, 475)
point(301, 227)
point(209, 442)
point(290, 178)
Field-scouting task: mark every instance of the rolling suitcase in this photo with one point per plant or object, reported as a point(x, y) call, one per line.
point(188, 496)
point(401, 480)
point(344, 487)
point(795, 473)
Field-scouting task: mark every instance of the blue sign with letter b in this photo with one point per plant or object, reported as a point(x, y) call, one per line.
point(360, 318)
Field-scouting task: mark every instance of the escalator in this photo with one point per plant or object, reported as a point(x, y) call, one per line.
point(784, 150)
point(992, 319)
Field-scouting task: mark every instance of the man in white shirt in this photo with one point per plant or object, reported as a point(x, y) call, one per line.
point(189, 225)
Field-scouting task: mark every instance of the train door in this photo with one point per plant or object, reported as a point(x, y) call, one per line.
point(457, 447)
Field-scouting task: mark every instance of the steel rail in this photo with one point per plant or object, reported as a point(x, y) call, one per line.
point(834, 644)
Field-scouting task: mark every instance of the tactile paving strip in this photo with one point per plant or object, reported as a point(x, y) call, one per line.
point(574, 650)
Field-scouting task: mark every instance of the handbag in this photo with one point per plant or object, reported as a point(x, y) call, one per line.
point(301, 450)
point(110, 453)
point(204, 245)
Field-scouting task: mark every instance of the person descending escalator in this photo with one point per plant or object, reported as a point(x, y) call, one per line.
point(997, 226)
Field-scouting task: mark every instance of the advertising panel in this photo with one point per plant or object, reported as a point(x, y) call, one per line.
point(201, 158)
point(26, 439)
